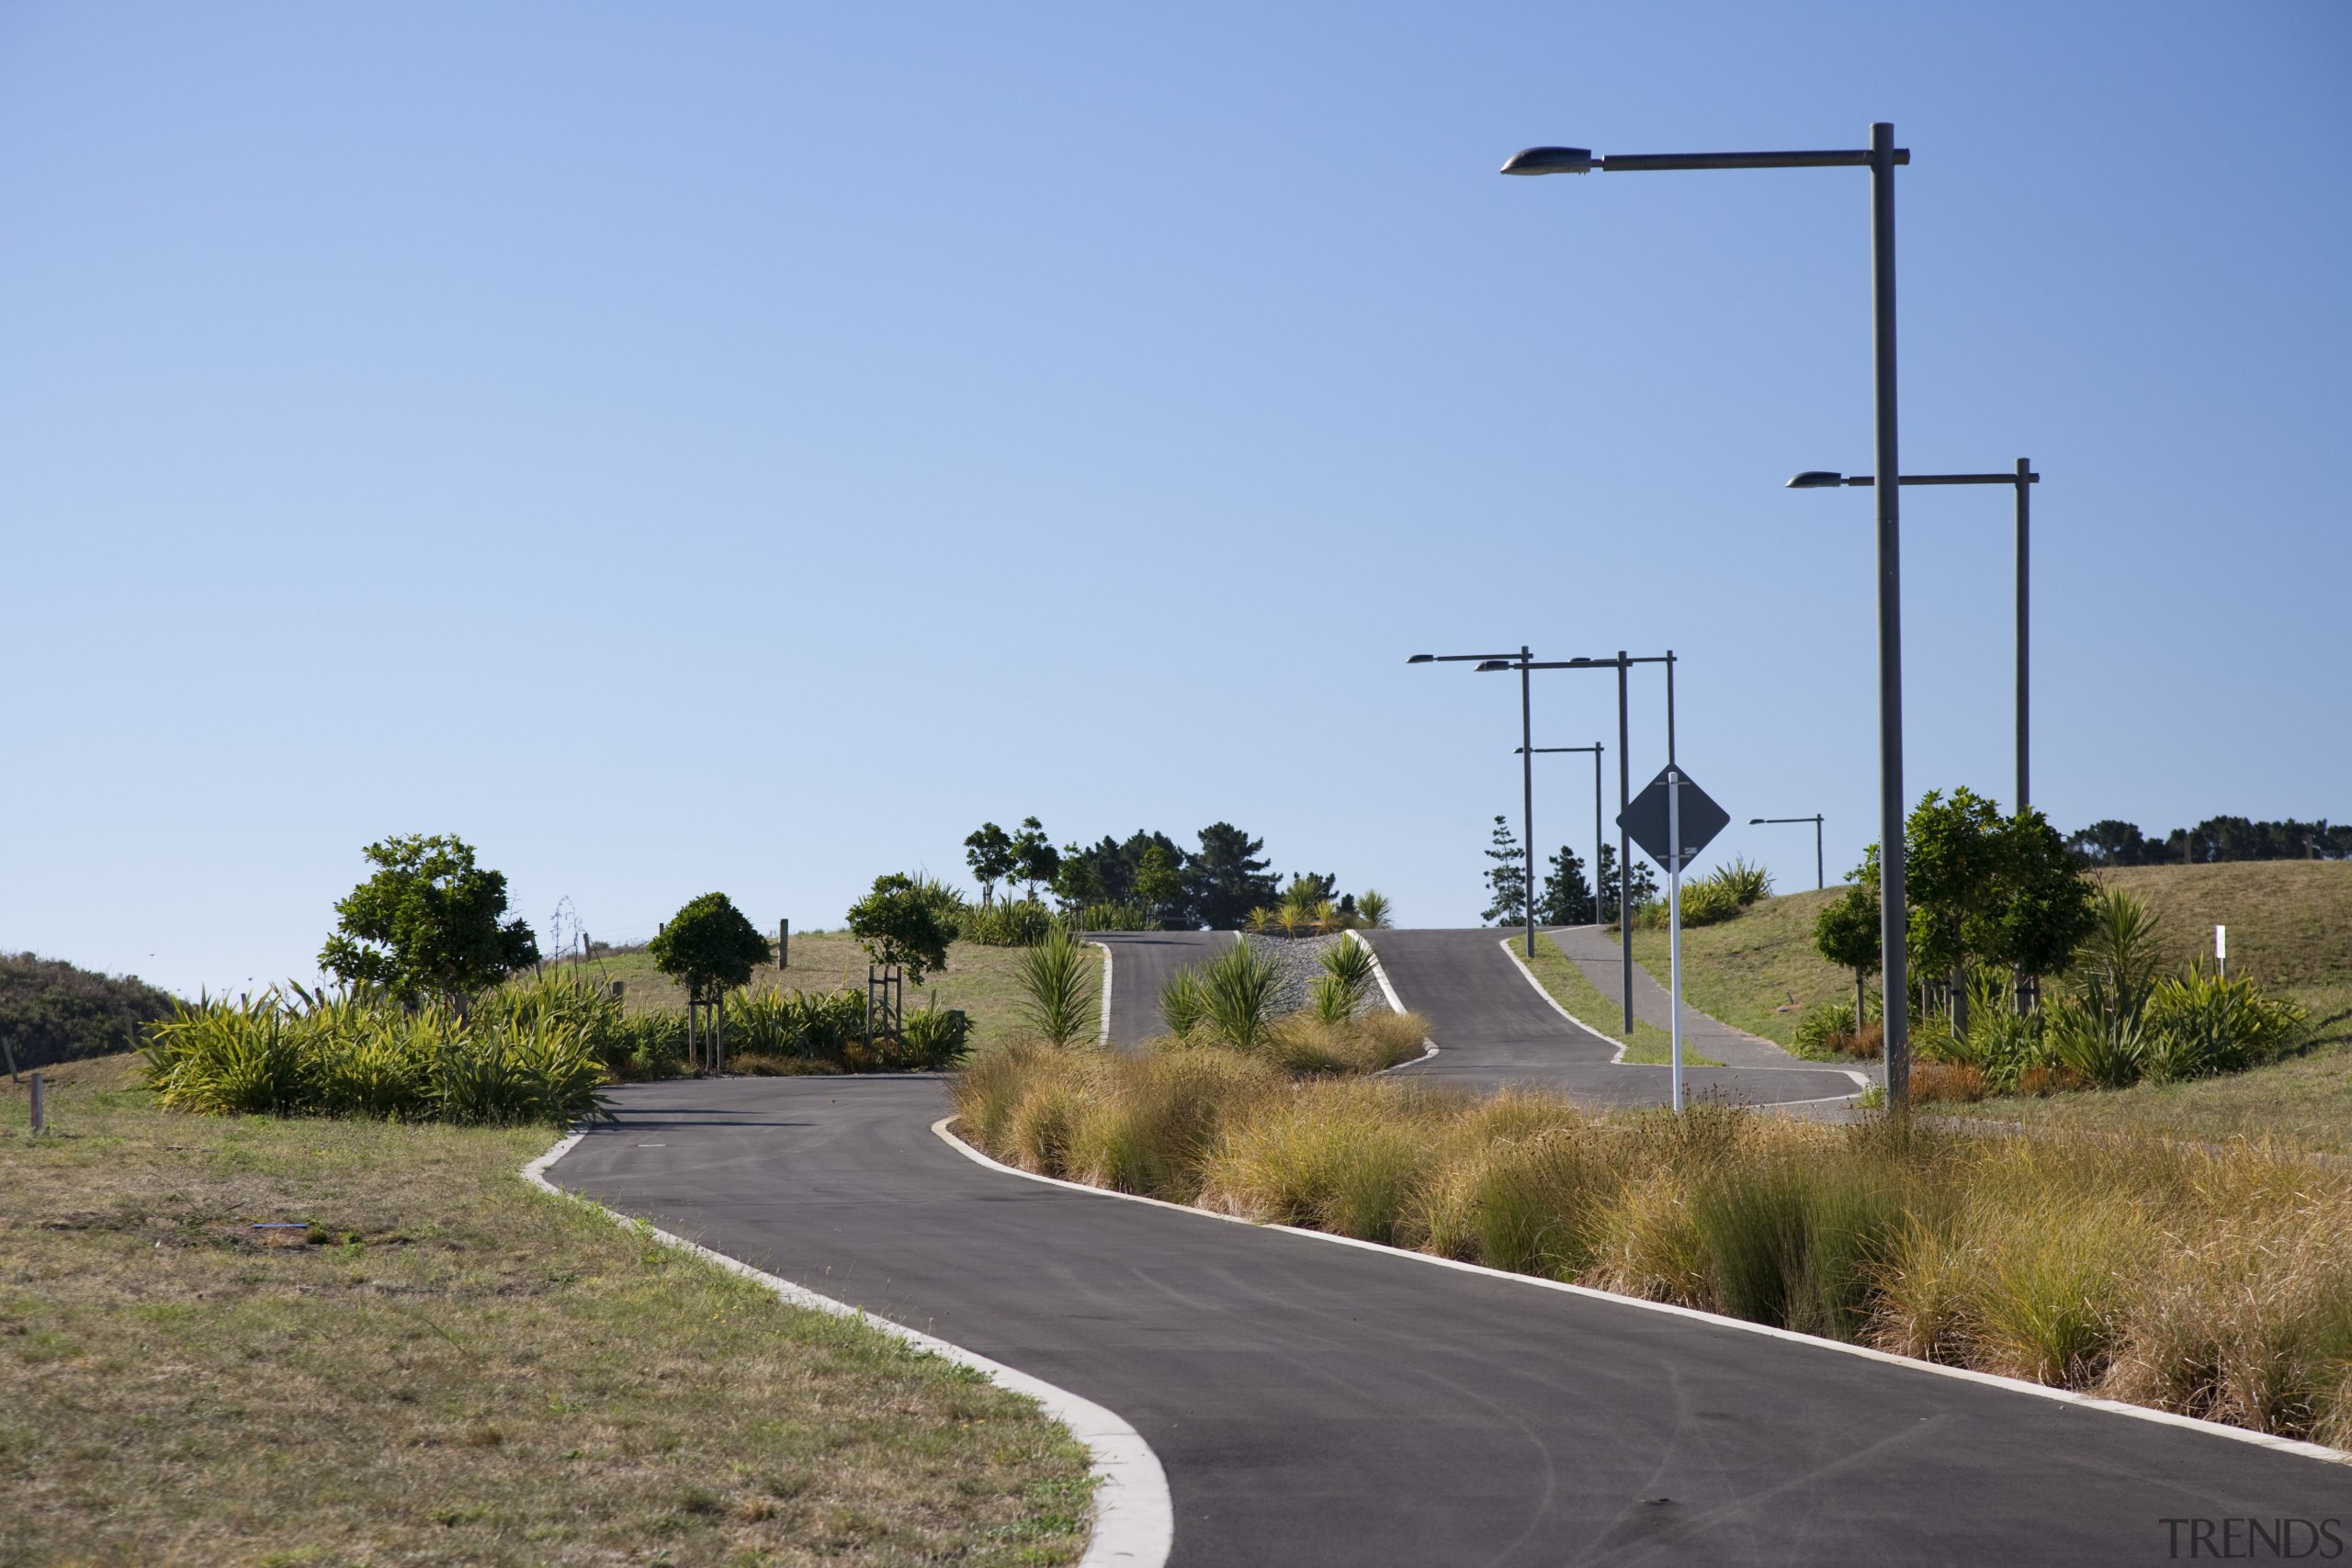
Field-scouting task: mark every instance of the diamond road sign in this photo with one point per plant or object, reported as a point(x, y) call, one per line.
point(1644, 820)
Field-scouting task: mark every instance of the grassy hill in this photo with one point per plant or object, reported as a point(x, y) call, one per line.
point(2291, 929)
point(978, 979)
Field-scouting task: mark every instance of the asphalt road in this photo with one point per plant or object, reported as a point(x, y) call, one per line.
point(1492, 1029)
point(1323, 1405)
point(1141, 963)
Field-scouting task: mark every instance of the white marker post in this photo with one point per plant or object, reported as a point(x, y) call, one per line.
point(1674, 920)
point(2221, 949)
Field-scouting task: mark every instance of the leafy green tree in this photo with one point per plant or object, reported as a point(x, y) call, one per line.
point(1158, 884)
point(2045, 907)
point(1226, 878)
point(427, 924)
point(1567, 897)
point(1034, 859)
point(899, 923)
point(709, 947)
point(1506, 878)
point(989, 852)
point(1846, 930)
point(1078, 880)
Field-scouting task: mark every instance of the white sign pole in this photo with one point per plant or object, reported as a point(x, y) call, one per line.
point(2221, 949)
point(1674, 919)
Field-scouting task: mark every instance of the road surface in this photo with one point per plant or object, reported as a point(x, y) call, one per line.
point(1492, 1028)
point(1141, 963)
point(1319, 1404)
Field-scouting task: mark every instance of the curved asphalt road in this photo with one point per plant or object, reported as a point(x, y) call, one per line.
point(1493, 1028)
point(1324, 1405)
point(1141, 963)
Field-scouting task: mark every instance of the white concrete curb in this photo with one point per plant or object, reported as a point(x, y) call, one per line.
point(1135, 1521)
point(1380, 973)
point(1103, 1036)
point(1429, 1046)
point(1937, 1369)
point(1520, 964)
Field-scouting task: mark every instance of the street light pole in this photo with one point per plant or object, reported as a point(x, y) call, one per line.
point(1820, 880)
point(1621, 663)
point(1595, 749)
point(1881, 158)
point(2020, 480)
point(1521, 663)
point(1527, 794)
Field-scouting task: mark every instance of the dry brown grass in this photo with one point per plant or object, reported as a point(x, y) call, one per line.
point(2213, 1282)
point(447, 1366)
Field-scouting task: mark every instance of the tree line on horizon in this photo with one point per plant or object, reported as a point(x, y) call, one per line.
point(1216, 884)
point(2111, 842)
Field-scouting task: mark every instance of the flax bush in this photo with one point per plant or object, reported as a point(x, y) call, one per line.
point(307, 1055)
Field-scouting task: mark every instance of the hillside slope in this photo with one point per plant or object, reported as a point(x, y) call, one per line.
point(2291, 929)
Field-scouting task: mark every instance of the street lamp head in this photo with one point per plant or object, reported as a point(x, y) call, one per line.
point(1816, 478)
point(1421, 659)
point(1753, 820)
point(1488, 666)
point(1552, 161)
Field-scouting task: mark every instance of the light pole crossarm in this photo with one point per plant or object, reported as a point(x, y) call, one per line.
point(1582, 161)
point(1818, 479)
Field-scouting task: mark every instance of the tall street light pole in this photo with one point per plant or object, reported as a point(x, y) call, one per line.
point(1519, 661)
point(1820, 881)
point(1595, 750)
point(1622, 664)
point(1880, 158)
point(2021, 480)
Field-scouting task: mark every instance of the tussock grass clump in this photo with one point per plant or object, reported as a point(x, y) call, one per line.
point(2216, 1283)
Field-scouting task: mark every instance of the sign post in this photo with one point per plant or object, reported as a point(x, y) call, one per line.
point(1674, 921)
point(2221, 949)
point(1673, 820)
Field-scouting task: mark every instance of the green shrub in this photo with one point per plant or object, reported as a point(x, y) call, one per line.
point(1008, 922)
point(1183, 1007)
point(1237, 992)
point(934, 1038)
point(2199, 1023)
point(1127, 915)
point(1056, 978)
point(368, 1058)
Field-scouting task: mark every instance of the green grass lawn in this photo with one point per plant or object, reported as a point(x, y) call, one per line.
point(2291, 929)
point(978, 979)
point(1756, 971)
point(1651, 1046)
point(447, 1366)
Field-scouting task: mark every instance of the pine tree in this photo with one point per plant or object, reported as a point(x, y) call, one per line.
point(1507, 878)
point(1567, 898)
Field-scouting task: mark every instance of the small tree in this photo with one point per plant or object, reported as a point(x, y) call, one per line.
point(1506, 878)
point(1846, 930)
point(989, 852)
point(1567, 898)
point(428, 923)
point(896, 923)
point(1158, 886)
point(1034, 859)
point(709, 947)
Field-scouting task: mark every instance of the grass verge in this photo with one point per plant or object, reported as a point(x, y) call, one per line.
point(1565, 984)
point(446, 1365)
point(2211, 1282)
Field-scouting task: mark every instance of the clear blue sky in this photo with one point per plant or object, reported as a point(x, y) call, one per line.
point(746, 447)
